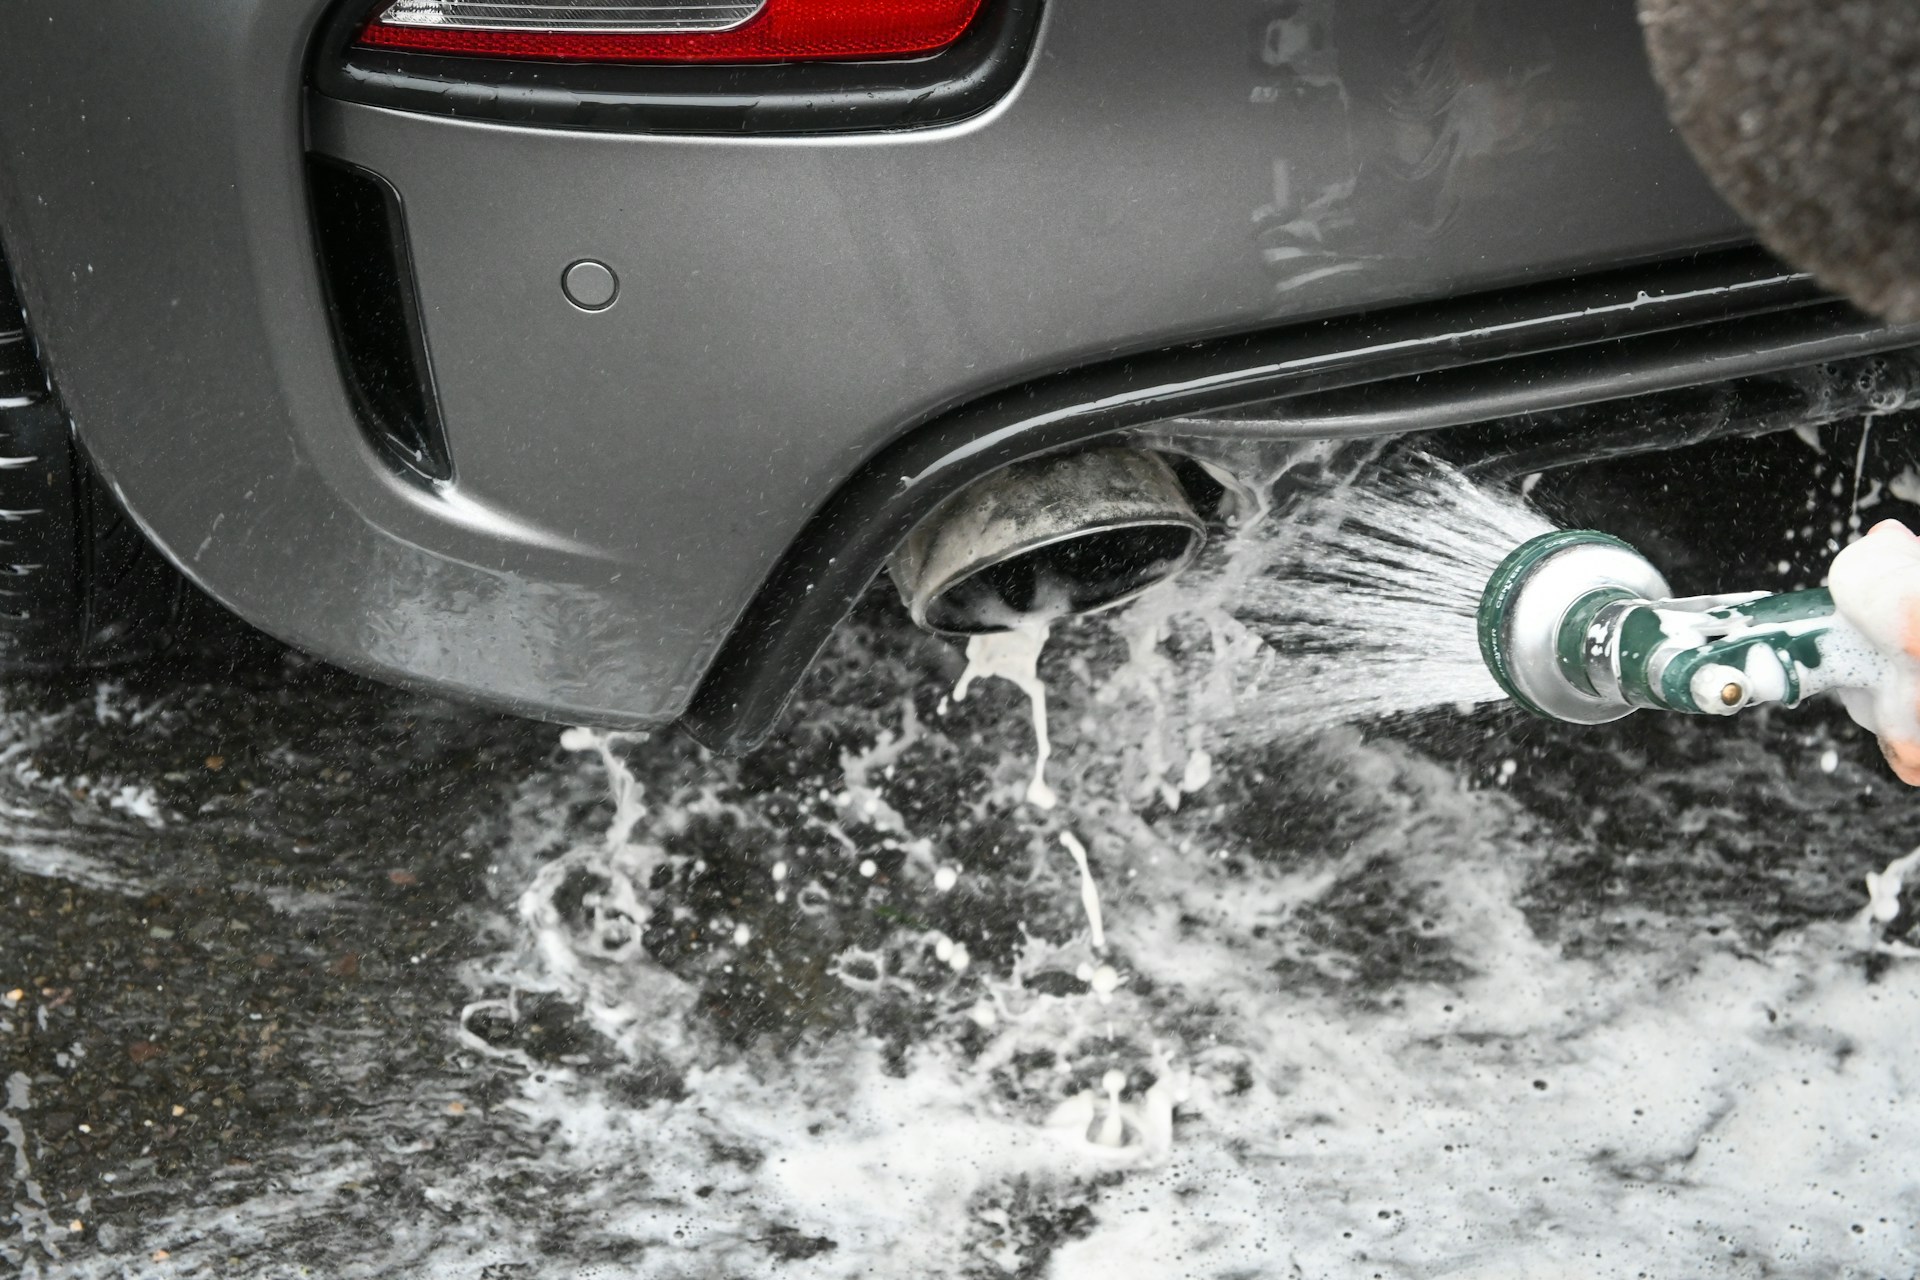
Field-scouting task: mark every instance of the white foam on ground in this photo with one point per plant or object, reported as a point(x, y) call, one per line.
point(72, 829)
point(1219, 1095)
point(1708, 1109)
point(1681, 1107)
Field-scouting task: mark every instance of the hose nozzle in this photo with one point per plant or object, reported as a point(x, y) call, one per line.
point(1576, 625)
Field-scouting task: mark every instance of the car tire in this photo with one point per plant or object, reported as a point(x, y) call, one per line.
point(80, 586)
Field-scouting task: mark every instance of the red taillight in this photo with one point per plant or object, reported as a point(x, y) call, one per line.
point(672, 30)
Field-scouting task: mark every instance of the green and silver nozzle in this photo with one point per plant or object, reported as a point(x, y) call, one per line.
point(1534, 617)
point(1576, 625)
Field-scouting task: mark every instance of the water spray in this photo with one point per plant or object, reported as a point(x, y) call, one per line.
point(1578, 626)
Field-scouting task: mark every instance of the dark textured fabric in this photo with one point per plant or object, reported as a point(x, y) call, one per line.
point(1806, 115)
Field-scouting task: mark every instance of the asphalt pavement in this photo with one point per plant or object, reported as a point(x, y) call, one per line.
point(303, 976)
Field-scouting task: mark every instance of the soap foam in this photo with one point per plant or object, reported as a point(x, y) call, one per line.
point(1014, 656)
point(1659, 1108)
point(1307, 1028)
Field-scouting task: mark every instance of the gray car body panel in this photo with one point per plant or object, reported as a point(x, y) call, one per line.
point(625, 479)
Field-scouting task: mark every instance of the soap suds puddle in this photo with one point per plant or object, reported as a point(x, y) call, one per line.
point(1471, 998)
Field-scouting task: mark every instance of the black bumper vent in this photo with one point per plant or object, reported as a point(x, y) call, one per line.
point(375, 315)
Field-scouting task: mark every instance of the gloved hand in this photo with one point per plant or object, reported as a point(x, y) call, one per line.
point(1876, 586)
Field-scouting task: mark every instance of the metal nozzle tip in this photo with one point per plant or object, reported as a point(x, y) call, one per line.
point(1524, 611)
point(1731, 694)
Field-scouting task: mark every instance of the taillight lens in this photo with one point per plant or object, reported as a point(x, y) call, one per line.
point(672, 30)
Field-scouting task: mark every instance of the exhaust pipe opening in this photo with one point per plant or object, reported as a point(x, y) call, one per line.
point(1052, 536)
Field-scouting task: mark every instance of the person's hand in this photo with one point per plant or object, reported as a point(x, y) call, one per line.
point(1876, 587)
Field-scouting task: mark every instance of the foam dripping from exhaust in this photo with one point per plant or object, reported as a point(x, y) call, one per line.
point(1089, 891)
point(1013, 655)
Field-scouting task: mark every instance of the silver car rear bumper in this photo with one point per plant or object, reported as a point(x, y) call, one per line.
point(797, 313)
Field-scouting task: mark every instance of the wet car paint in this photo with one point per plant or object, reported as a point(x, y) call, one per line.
point(627, 478)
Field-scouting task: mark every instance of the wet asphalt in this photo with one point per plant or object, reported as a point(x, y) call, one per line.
point(246, 897)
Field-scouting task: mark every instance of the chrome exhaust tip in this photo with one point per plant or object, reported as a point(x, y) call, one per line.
point(1064, 534)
